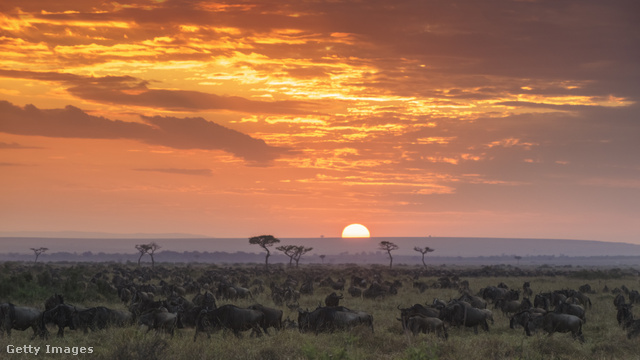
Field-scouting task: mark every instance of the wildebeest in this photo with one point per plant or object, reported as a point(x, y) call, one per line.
point(526, 289)
point(329, 319)
point(160, 320)
point(424, 324)
point(618, 300)
point(512, 306)
point(542, 301)
point(462, 314)
point(206, 300)
point(624, 314)
point(21, 318)
point(272, 317)
point(417, 309)
point(572, 309)
point(53, 301)
point(522, 318)
point(229, 317)
point(376, 290)
point(493, 293)
point(61, 315)
point(475, 301)
point(307, 287)
point(333, 299)
point(100, 317)
point(553, 322)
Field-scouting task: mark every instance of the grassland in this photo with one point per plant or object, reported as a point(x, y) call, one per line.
point(24, 284)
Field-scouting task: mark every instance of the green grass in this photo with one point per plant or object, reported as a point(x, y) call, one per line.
point(31, 285)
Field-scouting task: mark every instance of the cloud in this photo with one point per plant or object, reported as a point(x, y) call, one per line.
point(178, 133)
point(128, 90)
point(14, 145)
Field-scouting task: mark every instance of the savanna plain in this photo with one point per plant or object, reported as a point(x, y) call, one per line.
point(96, 284)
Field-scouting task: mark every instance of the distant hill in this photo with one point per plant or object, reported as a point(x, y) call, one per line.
point(444, 246)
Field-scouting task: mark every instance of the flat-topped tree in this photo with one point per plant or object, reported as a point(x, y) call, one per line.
point(152, 249)
point(388, 246)
point(142, 249)
point(38, 252)
point(289, 250)
point(423, 251)
point(265, 242)
point(300, 250)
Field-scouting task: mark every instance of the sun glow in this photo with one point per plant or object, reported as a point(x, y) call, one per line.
point(355, 231)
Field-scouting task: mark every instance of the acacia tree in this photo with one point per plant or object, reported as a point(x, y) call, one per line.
point(290, 251)
point(143, 249)
point(300, 250)
point(388, 246)
point(38, 251)
point(150, 249)
point(423, 251)
point(265, 242)
point(322, 257)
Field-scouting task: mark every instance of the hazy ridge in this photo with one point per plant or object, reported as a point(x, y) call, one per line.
point(444, 246)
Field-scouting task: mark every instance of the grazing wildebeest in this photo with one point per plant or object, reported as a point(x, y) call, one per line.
point(333, 299)
point(272, 317)
point(21, 318)
point(424, 324)
point(229, 317)
point(329, 319)
point(462, 314)
point(474, 301)
point(99, 317)
point(417, 309)
point(523, 317)
point(160, 320)
point(572, 309)
point(512, 306)
point(553, 322)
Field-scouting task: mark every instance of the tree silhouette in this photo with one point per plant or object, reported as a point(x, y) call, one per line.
point(38, 251)
point(290, 251)
point(143, 249)
point(150, 249)
point(423, 251)
point(265, 242)
point(300, 250)
point(322, 257)
point(388, 246)
point(517, 259)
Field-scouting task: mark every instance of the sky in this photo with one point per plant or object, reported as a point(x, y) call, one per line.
point(296, 118)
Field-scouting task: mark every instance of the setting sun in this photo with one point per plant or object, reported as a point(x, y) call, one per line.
point(355, 231)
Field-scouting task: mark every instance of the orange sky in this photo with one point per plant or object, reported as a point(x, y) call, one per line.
point(296, 118)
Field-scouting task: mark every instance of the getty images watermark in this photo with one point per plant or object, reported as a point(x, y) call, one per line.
point(48, 349)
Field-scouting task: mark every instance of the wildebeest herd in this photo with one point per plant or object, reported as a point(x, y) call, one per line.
point(170, 300)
